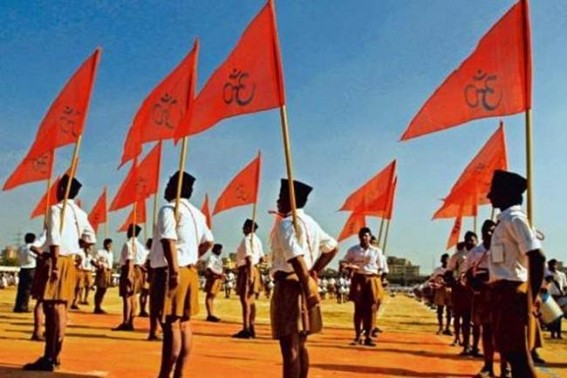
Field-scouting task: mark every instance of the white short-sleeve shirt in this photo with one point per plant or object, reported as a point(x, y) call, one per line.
point(76, 226)
point(133, 250)
point(478, 256)
point(285, 246)
point(366, 259)
point(456, 262)
point(558, 285)
point(512, 239)
point(214, 263)
point(104, 257)
point(188, 232)
point(251, 245)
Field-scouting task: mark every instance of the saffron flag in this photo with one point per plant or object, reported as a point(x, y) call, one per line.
point(32, 168)
point(452, 210)
point(391, 198)
point(250, 79)
point(97, 215)
point(49, 199)
point(495, 80)
point(473, 185)
point(141, 182)
point(207, 212)
point(138, 218)
point(353, 224)
point(243, 189)
point(65, 119)
point(372, 197)
point(455, 233)
point(164, 108)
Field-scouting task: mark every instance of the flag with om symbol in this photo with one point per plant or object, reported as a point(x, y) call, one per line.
point(250, 79)
point(495, 80)
point(31, 169)
point(135, 218)
point(97, 215)
point(353, 224)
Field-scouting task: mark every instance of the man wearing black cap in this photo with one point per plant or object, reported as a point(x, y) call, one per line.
point(297, 258)
point(180, 238)
point(249, 281)
point(132, 257)
point(515, 255)
point(59, 288)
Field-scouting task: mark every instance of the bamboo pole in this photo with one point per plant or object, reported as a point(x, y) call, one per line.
point(386, 236)
point(47, 200)
point(381, 231)
point(182, 157)
point(71, 176)
point(289, 168)
point(155, 209)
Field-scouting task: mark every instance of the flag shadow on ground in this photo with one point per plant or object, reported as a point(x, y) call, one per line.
point(382, 371)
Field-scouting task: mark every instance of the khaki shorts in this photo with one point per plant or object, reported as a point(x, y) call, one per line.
point(442, 296)
point(213, 285)
point(183, 300)
point(103, 278)
point(242, 281)
point(40, 278)
point(365, 289)
point(62, 289)
point(288, 309)
point(124, 289)
point(481, 307)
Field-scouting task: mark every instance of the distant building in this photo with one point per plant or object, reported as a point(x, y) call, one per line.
point(402, 270)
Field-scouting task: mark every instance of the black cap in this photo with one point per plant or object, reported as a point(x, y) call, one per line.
point(301, 190)
point(134, 229)
point(186, 188)
point(249, 223)
point(508, 182)
point(62, 186)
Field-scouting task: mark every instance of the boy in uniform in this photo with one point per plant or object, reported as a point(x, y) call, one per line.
point(214, 274)
point(103, 261)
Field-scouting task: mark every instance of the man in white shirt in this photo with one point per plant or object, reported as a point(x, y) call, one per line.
point(442, 295)
point(383, 272)
point(88, 275)
point(214, 274)
point(557, 285)
point(103, 261)
point(363, 260)
point(132, 257)
point(180, 238)
point(63, 241)
point(461, 295)
point(248, 283)
point(27, 258)
point(515, 255)
point(298, 256)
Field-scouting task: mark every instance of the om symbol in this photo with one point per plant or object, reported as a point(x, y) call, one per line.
point(237, 90)
point(39, 164)
point(161, 111)
point(482, 92)
point(241, 193)
point(67, 121)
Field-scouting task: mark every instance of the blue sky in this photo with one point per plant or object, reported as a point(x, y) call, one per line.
point(356, 72)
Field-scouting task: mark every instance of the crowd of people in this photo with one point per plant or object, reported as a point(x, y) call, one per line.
point(482, 289)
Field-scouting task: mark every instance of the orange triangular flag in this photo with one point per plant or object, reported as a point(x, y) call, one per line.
point(455, 233)
point(495, 80)
point(139, 219)
point(141, 182)
point(372, 197)
point(49, 199)
point(65, 119)
point(250, 79)
point(473, 185)
point(164, 108)
point(353, 224)
point(207, 212)
point(31, 169)
point(243, 189)
point(452, 210)
point(97, 215)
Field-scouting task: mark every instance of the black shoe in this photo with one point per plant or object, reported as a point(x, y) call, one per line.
point(476, 353)
point(242, 334)
point(252, 332)
point(37, 338)
point(212, 318)
point(42, 364)
point(122, 327)
point(375, 332)
point(99, 311)
point(357, 341)
point(447, 332)
point(537, 359)
point(465, 352)
point(144, 314)
point(369, 342)
point(486, 372)
point(74, 307)
point(154, 338)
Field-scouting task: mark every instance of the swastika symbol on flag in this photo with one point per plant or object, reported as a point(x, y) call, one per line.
point(483, 92)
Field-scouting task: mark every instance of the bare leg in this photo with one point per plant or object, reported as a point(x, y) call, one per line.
point(50, 329)
point(252, 313)
point(209, 304)
point(289, 347)
point(440, 318)
point(171, 347)
point(38, 319)
point(245, 312)
point(448, 320)
point(357, 320)
point(61, 319)
point(99, 296)
point(303, 356)
point(186, 344)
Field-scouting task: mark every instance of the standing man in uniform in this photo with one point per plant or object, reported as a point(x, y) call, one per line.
point(297, 260)
point(103, 261)
point(249, 281)
point(132, 257)
point(215, 276)
point(557, 287)
point(88, 273)
point(515, 256)
point(442, 295)
point(27, 258)
point(179, 240)
point(63, 245)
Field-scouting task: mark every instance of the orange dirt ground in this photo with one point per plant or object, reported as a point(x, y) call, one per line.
point(408, 347)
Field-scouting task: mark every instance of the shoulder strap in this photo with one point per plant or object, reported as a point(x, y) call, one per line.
point(309, 247)
point(194, 225)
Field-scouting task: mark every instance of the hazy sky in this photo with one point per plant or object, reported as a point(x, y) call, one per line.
point(356, 72)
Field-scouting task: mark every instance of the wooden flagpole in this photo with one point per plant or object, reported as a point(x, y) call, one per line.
point(381, 230)
point(155, 210)
point(386, 236)
point(47, 200)
point(289, 167)
point(254, 207)
point(182, 157)
point(71, 176)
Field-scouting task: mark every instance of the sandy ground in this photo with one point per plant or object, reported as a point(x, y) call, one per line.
point(408, 347)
